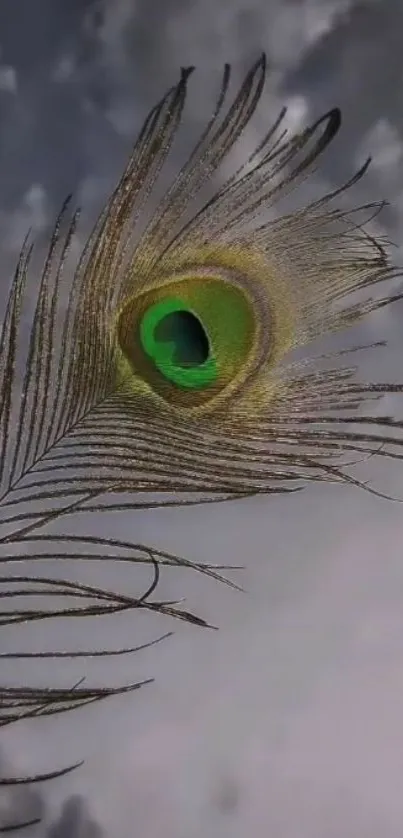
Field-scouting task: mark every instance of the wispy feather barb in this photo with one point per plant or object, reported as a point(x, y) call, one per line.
point(167, 373)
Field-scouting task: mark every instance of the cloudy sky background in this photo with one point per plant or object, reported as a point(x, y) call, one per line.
point(288, 722)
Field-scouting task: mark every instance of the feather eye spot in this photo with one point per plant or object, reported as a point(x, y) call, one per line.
point(189, 338)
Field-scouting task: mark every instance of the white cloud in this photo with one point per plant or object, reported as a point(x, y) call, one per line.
point(8, 79)
point(65, 68)
point(385, 145)
point(198, 30)
point(33, 213)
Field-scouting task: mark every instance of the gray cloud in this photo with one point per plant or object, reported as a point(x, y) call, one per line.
point(75, 822)
point(26, 804)
point(18, 804)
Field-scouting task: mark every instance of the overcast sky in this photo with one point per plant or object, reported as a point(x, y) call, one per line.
point(288, 722)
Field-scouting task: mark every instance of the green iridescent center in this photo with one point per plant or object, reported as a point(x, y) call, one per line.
point(175, 340)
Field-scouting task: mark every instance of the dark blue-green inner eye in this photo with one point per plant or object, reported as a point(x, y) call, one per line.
point(186, 333)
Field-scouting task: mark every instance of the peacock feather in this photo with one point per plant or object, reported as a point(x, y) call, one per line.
point(164, 367)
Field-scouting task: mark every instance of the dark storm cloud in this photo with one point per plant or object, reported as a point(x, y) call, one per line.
point(49, 132)
point(358, 65)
